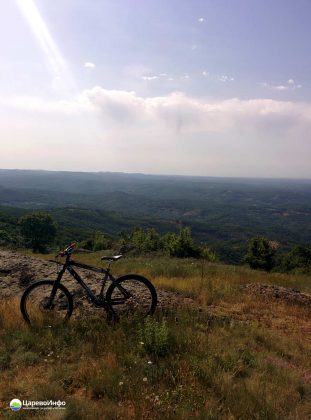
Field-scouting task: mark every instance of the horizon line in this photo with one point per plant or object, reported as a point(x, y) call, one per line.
point(159, 175)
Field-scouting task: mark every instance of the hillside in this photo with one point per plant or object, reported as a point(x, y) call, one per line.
point(222, 212)
point(227, 342)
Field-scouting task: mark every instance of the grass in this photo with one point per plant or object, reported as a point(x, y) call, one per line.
point(240, 357)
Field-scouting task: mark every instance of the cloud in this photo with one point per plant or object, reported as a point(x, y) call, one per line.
point(224, 78)
point(201, 19)
point(174, 133)
point(153, 76)
point(279, 87)
point(211, 115)
point(150, 77)
point(182, 112)
point(89, 65)
point(289, 85)
point(38, 106)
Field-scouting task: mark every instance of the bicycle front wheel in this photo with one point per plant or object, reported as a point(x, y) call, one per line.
point(132, 296)
point(45, 305)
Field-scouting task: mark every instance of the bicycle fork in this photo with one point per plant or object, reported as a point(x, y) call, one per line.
point(49, 304)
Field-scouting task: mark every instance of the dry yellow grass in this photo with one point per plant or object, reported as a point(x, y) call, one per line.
point(229, 355)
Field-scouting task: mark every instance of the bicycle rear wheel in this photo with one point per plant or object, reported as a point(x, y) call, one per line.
point(132, 296)
point(44, 306)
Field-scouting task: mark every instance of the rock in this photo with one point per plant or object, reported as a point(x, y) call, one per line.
point(279, 292)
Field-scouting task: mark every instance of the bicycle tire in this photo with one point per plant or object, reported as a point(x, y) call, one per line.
point(149, 300)
point(40, 284)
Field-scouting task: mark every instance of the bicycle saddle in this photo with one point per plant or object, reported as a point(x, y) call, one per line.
point(113, 258)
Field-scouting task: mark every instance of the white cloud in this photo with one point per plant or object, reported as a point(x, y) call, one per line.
point(194, 47)
point(150, 77)
point(213, 115)
point(175, 133)
point(218, 77)
point(89, 65)
point(201, 19)
point(224, 78)
point(289, 85)
point(153, 76)
point(279, 87)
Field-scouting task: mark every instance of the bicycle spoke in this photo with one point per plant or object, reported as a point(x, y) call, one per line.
point(132, 297)
point(43, 309)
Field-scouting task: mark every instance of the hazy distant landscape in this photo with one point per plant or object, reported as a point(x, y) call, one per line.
point(221, 212)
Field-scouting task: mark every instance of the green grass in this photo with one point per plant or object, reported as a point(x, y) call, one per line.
point(241, 357)
point(187, 269)
point(208, 370)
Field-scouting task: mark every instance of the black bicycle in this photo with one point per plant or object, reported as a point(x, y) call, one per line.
point(48, 302)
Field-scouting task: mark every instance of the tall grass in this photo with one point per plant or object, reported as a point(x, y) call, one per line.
point(232, 356)
point(190, 364)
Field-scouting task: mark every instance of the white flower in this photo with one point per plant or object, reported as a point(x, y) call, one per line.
point(150, 362)
point(145, 379)
point(121, 383)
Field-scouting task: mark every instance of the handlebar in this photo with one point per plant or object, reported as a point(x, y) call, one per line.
point(68, 250)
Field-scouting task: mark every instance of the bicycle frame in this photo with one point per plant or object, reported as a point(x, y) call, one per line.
point(99, 301)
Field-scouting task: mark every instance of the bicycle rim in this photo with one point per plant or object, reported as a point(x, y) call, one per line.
point(39, 310)
point(141, 301)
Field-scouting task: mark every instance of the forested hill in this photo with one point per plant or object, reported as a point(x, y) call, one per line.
point(222, 212)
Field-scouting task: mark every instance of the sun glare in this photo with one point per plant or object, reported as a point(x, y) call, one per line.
point(56, 62)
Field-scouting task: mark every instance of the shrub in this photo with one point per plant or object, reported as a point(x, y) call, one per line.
point(260, 254)
point(38, 230)
point(181, 245)
point(154, 337)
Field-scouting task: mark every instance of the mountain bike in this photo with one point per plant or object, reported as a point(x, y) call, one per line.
point(49, 302)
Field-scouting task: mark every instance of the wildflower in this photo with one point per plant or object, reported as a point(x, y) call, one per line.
point(145, 379)
point(149, 362)
point(142, 343)
point(121, 383)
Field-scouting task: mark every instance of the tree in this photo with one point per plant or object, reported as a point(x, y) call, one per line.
point(207, 254)
point(38, 230)
point(182, 245)
point(297, 260)
point(260, 254)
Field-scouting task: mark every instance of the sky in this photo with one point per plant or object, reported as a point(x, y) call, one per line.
point(200, 87)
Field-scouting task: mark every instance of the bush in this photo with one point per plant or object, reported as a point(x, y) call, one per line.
point(99, 242)
point(207, 254)
point(181, 245)
point(154, 337)
point(260, 254)
point(38, 230)
point(297, 260)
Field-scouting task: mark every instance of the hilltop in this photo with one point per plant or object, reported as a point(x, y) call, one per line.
point(225, 342)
